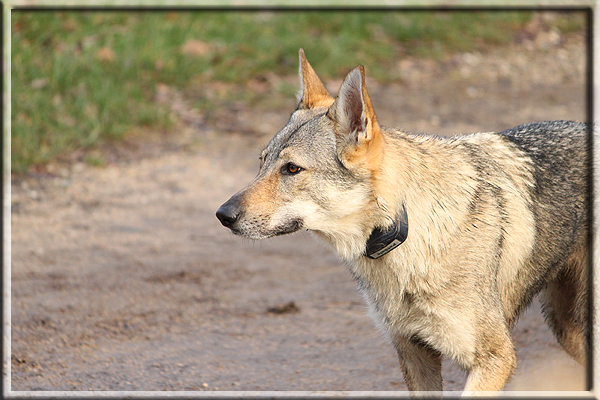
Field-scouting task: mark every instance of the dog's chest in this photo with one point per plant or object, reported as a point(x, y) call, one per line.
point(395, 312)
point(401, 311)
point(388, 295)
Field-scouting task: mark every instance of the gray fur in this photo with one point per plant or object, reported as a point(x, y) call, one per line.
point(494, 219)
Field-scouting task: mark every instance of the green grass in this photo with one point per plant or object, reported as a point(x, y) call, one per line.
point(81, 79)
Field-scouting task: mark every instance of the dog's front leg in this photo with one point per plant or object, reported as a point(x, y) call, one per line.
point(492, 368)
point(421, 366)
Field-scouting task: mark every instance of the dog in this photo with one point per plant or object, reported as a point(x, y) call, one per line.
point(449, 239)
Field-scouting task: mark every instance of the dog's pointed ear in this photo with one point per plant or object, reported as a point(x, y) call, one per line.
point(356, 125)
point(312, 92)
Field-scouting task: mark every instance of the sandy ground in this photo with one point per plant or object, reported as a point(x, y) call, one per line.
point(123, 279)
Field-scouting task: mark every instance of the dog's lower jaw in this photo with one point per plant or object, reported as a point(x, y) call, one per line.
point(260, 234)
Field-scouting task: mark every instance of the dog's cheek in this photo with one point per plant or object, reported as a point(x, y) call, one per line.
point(298, 200)
point(277, 204)
point(295, 209)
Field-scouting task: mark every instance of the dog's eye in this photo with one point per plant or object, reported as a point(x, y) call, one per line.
point(291, 169)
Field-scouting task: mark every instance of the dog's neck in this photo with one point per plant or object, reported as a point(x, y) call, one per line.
point(382, 241)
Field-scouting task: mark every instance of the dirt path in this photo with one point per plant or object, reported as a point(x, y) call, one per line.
point(123, 279)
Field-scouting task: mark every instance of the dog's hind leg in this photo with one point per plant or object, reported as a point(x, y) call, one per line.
point(565, 307)
point(421, 365)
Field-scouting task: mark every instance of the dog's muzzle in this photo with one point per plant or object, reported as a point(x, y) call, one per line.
point(232, 216)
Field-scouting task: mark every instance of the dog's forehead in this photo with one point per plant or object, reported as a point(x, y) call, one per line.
point(302, 126)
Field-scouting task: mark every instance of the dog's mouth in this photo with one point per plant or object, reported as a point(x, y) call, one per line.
point(257, 234)
point(290, 227)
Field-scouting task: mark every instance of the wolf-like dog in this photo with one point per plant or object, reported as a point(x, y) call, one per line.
point(448, 238)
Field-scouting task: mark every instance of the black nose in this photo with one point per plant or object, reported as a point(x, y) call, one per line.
point(228, 213)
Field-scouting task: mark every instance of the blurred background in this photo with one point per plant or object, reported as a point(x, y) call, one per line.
point(81, 80)
point(130, 128)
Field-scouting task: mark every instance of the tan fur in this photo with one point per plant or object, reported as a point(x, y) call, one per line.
point(476, 251)
point(314, 93)
point(260, 200)
point(369, 147)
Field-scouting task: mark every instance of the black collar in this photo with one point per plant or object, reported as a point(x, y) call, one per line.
point(382, 242)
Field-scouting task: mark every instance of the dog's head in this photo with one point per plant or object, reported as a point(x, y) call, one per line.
point(317, 173)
